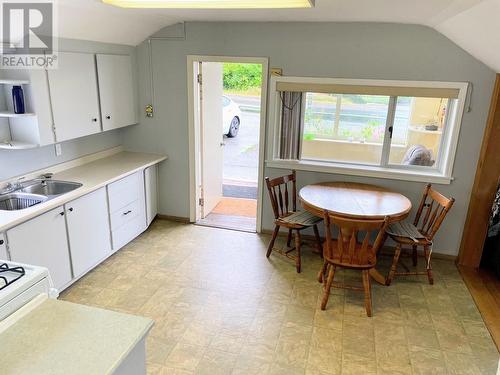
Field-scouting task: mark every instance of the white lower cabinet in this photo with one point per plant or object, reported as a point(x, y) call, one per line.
point(3, 247)
point(42, 241)
point(151, 189)
point(88, 231)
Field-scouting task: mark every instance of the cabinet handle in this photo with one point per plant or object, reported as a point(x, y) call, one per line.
point(61, 213)
point(126, 213)
point(108, 117)
point(1, 242)
point(71, 209)
point(94, 120)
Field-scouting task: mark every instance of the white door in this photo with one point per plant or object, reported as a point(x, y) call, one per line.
point(212, 139)
point(116, 91)
point(88, 230)
point(42, 241)
point(151, 188)
point(73, 93)
point(3, 248)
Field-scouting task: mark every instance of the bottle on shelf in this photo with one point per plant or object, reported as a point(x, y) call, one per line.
point(18, 99)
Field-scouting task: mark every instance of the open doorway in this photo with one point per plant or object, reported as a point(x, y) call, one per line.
point(228, 119)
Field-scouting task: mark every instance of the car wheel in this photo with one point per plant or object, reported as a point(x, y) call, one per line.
point(234, 128)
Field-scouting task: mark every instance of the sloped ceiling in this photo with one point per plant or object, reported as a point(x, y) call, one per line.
point(472, 24)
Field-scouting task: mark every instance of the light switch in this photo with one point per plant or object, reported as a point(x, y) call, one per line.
point(58, 149)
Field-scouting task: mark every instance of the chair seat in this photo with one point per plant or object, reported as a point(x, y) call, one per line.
point(407, 233)
point(302, 218)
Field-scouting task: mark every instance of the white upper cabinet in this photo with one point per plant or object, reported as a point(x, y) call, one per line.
point(73, 92)
point(116, 91)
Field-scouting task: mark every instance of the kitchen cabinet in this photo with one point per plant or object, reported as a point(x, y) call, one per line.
point(88, 231)
point(116, 91)
point(127, 209)
point(42, 241)
point(3, 247)
point(74, 96)
point(151, 190)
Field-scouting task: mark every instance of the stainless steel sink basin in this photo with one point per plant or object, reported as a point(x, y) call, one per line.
point(19, 201)
point(51, 187)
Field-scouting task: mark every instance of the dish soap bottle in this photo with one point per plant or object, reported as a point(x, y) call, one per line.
point(18, 99)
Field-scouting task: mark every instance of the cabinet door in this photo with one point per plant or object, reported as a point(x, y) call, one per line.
point(3, 248)
point(73, 92)
point(116, 91)
point(42, 241)
point(88, 231)
point(150, 184)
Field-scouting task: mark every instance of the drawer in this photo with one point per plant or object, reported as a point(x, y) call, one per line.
point(127, 232)
point(125, 214)
point(124, 191)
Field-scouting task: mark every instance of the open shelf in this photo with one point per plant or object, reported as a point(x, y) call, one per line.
point(16, 145)
point(15, 82)
point(14, 115)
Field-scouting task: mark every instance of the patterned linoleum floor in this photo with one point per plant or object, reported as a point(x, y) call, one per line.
point(220, 307)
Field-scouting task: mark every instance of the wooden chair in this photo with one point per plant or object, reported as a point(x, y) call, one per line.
point(420, 233)
point(348, 252)
point(284, 203)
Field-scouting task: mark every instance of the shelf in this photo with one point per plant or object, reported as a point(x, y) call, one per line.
point(12, 114)
point(14, 82)
point(16, 145)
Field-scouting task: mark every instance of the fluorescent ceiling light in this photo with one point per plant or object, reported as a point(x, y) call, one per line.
point(212, 4)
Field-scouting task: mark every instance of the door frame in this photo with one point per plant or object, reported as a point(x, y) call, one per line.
point(194, 129)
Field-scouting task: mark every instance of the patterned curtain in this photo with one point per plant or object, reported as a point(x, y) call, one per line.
point(291, 125)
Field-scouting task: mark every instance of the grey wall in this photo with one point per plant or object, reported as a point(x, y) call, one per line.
point(344, 50)
point(17, 162)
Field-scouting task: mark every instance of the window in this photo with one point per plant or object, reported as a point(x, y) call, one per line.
point(393, 129)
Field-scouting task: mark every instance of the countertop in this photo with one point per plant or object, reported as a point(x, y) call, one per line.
point(60, 337)
point(93, 176)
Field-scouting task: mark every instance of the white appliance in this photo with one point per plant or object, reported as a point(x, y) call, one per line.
point(20, 284)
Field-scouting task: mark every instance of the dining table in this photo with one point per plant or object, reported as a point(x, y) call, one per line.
point(356, 201)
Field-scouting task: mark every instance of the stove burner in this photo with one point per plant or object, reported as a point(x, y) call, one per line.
point(9, 275)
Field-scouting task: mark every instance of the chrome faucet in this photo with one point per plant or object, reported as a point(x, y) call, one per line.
point(13, 186)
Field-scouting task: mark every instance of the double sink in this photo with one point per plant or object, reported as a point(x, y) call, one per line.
point(31, 193)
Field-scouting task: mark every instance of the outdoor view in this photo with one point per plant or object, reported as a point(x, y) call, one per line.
point(242, 85)
point(351, 128)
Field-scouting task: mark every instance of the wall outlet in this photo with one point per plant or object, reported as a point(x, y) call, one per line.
point(58, 149)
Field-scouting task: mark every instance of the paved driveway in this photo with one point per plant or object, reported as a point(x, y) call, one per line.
point(241, 154)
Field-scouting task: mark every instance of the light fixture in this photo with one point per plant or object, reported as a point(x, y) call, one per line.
point(212, 4)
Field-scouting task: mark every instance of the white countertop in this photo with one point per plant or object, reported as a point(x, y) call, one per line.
point(60, 337)
point(93, 176)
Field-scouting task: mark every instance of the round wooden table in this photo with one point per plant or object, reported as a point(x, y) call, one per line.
point(357, 201)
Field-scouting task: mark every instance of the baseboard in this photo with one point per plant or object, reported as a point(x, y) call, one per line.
point(179, 219)
point(386, 250)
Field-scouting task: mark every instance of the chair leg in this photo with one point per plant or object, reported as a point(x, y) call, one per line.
point(273, 238)
point(427, 254)
point(415, 256)
point(322, 272)
point(394, 266)
point(318, 240)
point(328, 287)
point(368, 292)
point(289, 239)
point(297, 247)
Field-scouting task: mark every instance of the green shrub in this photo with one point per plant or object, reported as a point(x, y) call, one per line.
point(242, 76)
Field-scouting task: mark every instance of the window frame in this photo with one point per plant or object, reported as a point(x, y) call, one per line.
point(441, 173)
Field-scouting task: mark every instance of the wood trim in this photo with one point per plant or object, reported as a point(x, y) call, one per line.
point(485, 289)
point(484, 188)
point(178, 219)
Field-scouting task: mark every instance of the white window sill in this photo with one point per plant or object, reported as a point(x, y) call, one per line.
point(361, 170)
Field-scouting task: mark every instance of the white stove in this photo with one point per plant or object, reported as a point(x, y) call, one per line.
point(21, 283)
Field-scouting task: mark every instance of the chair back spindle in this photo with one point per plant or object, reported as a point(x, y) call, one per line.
point(283, 194)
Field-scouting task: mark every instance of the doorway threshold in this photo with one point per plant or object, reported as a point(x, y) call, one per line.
point(231, 222)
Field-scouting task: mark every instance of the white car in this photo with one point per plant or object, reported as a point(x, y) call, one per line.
point(231, 117)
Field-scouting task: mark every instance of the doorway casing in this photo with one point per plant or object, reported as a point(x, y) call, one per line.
point(194, 127)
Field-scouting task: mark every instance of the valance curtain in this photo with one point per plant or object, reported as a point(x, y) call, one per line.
point(291, 125)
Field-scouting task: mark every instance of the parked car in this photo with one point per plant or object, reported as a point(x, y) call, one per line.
point(231, 117)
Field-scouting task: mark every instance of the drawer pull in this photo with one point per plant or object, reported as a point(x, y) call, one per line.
point(128, 212)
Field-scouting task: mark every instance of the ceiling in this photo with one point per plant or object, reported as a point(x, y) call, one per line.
point(472, 24)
